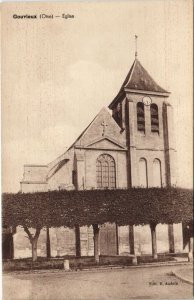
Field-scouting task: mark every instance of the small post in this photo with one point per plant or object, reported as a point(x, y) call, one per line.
point(66, 265)
point(134, 260)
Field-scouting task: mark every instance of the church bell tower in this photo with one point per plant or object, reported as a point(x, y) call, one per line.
point(142, 110)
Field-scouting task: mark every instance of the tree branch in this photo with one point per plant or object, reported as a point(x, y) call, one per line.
point(28, 232)
point(31, 237)
point(37, 233)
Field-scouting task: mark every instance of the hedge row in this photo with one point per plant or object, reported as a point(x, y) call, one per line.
point(134, 206)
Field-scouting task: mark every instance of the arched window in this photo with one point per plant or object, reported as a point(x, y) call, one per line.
point(154, 118)
point(143, 178)
point(105, 172)
point(140, 117)
point(157, 176)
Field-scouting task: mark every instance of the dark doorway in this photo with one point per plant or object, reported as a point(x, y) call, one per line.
point(108, 239)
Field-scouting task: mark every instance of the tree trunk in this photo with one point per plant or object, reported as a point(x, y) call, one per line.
point(34, 249)
point(77, 241)
point(171, 238)
point(117, 239)
point(154, 242)
point(131, 239)
point(11, 247)
point(190, 254)
point(48, 244)
point(33, 241)
point(96, 242)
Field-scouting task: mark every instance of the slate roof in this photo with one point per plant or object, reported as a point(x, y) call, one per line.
point(139, 79)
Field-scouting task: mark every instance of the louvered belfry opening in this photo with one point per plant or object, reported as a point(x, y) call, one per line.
point(154, 118)
point(140, 117)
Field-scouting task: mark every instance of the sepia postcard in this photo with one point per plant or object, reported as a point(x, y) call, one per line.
point(97, 157)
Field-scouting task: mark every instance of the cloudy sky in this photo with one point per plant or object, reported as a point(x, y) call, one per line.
point(58, 73)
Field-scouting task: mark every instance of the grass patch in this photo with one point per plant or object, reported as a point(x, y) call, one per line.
point(76, 263)
point(149, 259)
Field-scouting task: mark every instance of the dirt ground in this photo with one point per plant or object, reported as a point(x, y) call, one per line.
point(115, 284)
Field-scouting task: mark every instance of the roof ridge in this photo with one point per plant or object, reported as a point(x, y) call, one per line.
point(128, 76)
point(132, 70)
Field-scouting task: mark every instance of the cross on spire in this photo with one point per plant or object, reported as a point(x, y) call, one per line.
point(136, 46)
point(104, 127)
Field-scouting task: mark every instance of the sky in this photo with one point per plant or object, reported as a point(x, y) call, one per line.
point(58, 73)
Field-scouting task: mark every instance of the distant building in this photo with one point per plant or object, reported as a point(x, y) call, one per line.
point(133, 147)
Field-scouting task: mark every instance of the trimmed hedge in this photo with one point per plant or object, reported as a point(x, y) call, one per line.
point(134, 206)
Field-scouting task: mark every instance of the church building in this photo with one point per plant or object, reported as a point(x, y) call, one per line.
point(131, 147)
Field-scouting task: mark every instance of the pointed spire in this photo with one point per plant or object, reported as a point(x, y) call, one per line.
point(136, 46)
point(138, 80)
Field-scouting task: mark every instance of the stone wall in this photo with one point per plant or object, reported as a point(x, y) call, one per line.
point(34, 187)
point(62, 241)
point(22, 246)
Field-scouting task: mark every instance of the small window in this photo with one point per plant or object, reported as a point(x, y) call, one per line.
point(143, 176)
point(140, 117)
point(154, 118)
point(157, 176)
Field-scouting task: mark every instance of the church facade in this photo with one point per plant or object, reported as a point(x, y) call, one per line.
point(132, 147)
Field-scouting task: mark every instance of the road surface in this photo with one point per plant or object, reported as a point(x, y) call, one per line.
point(115, 284)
